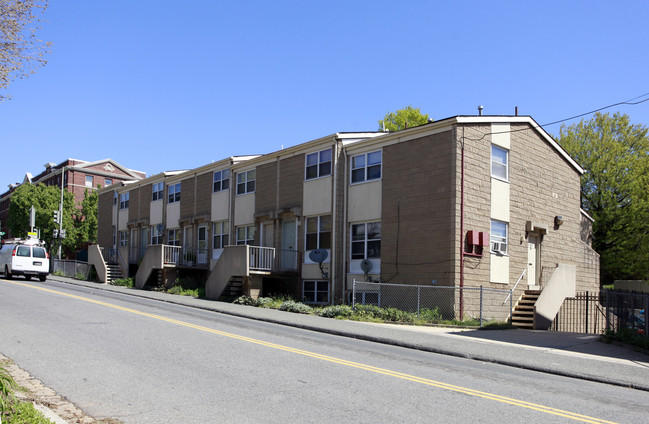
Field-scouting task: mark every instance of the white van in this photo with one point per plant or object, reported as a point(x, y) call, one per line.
point(24, 257)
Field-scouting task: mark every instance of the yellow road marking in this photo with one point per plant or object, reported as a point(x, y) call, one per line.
point(396, 374)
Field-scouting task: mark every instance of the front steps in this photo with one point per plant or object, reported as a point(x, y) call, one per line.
point(523, 313)
point(114, 272)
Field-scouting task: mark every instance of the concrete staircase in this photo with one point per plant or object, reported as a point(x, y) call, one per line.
point(234, 287)
point(523, 313)
point(114, 272)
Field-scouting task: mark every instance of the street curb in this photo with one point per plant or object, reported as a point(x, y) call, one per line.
point(375, 339)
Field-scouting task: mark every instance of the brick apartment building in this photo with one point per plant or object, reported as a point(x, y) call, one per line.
point(465, 201)
point(78, 175)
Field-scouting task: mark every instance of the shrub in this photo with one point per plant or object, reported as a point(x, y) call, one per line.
point(336, 311)
point(245, 300)
point(124, 282)
point(432, 316)
point(293, 306)
point(11, 410)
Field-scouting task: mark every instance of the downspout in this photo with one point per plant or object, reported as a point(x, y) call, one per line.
point(462, 228)
point(333, 222)
point(344, 217)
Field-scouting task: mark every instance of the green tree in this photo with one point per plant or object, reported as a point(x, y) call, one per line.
point(614, 190)
point(85, 220)
point(20, 51)
point(407, 117)
point(45, 200)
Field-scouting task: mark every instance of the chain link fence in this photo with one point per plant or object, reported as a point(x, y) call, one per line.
point(73, 269)
point(626, 311)
point(451, 303)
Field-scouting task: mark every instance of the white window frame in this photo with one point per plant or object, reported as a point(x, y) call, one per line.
point(157, 237)
point(220, 234)
point(174, 237)
point(319, 222)
point(123, 200)
point(365, 241)
point(108, 182)
point(157, 191)
point(311, 296)
point(246, 181)
point(245, 235)
point(221, 180)
point(498, 164)
point(499, 243)
point(123, 238)
point(173, 193)
point(361, 167)
point(89, 181)
point(318, 162)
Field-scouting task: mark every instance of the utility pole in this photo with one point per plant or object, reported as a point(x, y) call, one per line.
point(61, 209)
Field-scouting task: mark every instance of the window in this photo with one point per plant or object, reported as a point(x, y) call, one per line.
point(318, 164)
point(23, 251)
point(221, 235)
point(316, 291)
point(108, 182)
point(88, 180)
point(246, 182)
point(366, 167)
point(318, 232)
point(174, 193)
point(366, 240)
point(114, 198)
point(174, 237)
point(39, 252)
point(499, 236)
point(123, 238)
point(157, 190)
point(246, 235)
point(499, 163)
point(123, 200)
point(221, 180)
point(156, 235)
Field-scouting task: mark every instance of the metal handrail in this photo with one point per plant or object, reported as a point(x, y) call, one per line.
point(515, 285)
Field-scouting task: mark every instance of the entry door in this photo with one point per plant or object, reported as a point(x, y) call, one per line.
point(533, 260)
point(289, 245)
point(133, 249)
point(268, 234)
point(188, 245)
point(202, 245)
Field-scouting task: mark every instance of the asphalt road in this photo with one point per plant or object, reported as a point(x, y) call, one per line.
point(143, 362)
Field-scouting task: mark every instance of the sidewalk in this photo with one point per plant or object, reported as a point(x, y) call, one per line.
point(573, 355)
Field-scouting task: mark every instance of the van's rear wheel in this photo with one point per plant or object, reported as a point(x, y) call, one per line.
point(28, 277)
point(7, 273)
point(42, 277)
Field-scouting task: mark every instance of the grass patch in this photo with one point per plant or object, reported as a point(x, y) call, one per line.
point(368, 313)
point(124, 282)
point(627, 336)
point(13, 411)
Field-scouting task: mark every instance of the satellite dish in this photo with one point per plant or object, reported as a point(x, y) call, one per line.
point(318, 255)
point(366, 265)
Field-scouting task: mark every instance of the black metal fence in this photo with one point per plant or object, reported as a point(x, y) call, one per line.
point(607, 310)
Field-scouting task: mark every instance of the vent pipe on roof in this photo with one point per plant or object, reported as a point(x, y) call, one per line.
point(480, 110)
point(515, 110)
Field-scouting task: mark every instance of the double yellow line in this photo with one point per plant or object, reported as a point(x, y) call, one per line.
point(395, 374)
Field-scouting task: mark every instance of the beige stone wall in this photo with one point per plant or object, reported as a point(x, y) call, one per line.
point(105, 220)
point(187, 198)
point(204, 194)
point(266, 188)
point(133, 206)
point(145, 202)
point(418, 211)
point(291, 182)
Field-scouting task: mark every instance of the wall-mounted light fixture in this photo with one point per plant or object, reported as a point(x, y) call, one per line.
point(558, 220)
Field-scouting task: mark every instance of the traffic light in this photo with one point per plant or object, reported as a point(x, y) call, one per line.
point(56, 216)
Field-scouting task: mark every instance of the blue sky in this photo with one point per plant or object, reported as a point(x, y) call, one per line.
point(166, 85)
